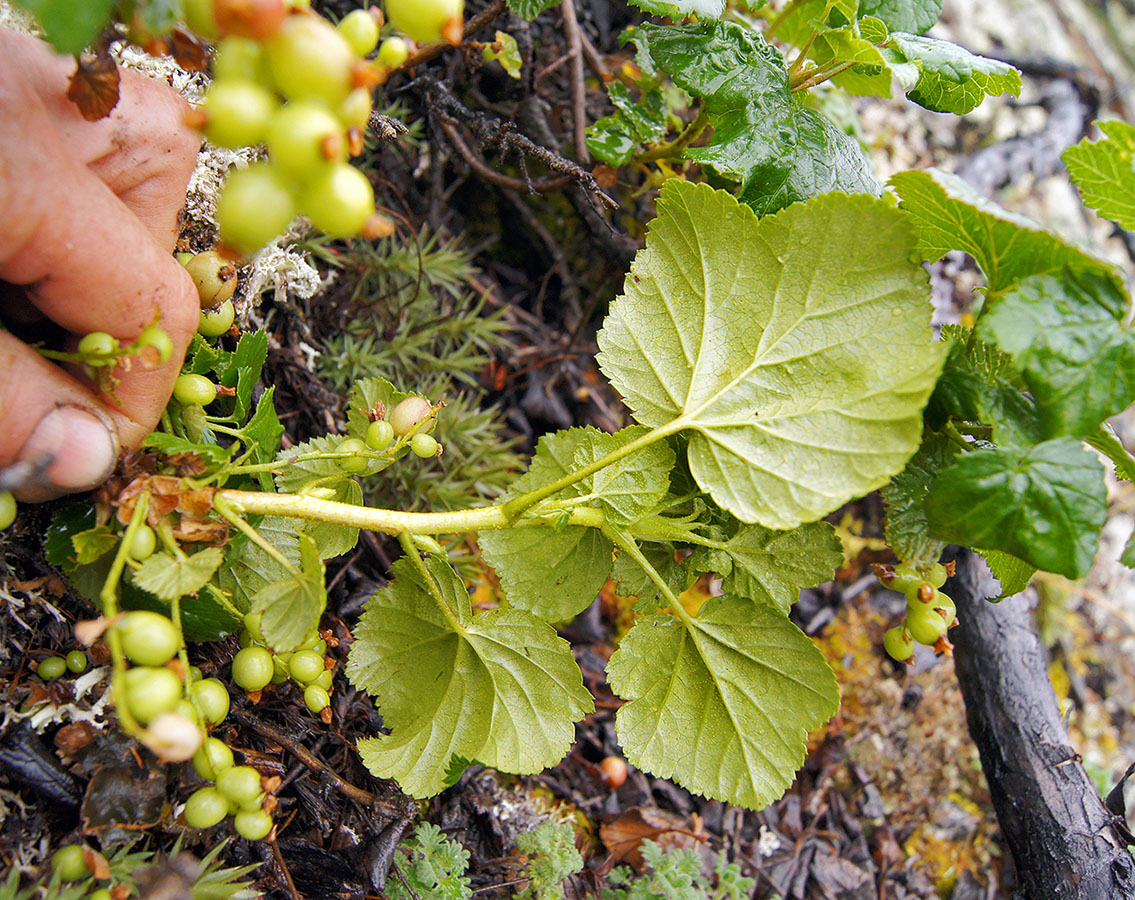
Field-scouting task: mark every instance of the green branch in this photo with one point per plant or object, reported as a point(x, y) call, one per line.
point(411, 550)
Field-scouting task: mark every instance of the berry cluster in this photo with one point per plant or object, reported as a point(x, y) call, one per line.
point(215, 278)
point(236, 791)
point(292, 81)
point(929, 612)
point(256, 666)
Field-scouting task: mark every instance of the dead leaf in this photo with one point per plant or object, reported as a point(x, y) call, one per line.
point(94, 86)
point(624, 835)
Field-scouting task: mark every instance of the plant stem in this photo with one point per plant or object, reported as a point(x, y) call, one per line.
point(517, 505)
point(803, 54)
point(230, 515)
point(411, 550)
point(681, 142)
point(951, 431)
point(108, 597)
point(810, 80)
point(627, 544)
point(388, 521)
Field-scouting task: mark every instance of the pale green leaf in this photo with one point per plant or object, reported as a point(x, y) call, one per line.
point(907, 531)
point(68, 25)
point(796, 348)
point(331, 538)
point(1013, 574)
point(555, 572)
point(948, 214)
point(1107, 442)
point(1104, 171)
point(89, 545)
point(951, 79)
point(500, 687)
point(169, 578)
point(291, 607)
point(722, 705)
point(248, 568)
point(1045, 505)
point(1127, 557)
point(774, 566)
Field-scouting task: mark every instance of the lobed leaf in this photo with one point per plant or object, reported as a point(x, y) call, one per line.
point(1104, 171)
point(292, 606)
point(951, 79)
point(1066, 334)
point(779, 150)
point(1045, 505)
point(723, 704)
point(500, 687)
point(168, 577)
point(907, 531)
point(796, 349)
point(948, 214)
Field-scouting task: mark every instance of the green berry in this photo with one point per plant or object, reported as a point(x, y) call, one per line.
point(424, 20)
point(325, 679)
point(240, 784)
point(937, 575)
point(240, 59)
point(316, 698)
point(919, 593)
point(407, 414)
point(252, 824)
point(339, 201)
point(214, 276)
point(51, 668)
point(148, 638)
point(305, 139)
point(360, 29)
point(205, 808)
point(945, 606)
point(310, 60)
point(212, 758)
point(157, 339)
point(279, 670)
point(899, 644)
point(69, 863)
point(101, 894)
point(253, 668)
point(393, 52)
point(190, 390)
point(215, 322)
point(98, 344)
point(424, 445)
point(380, 435)
point(7, 510)
point(305, 666)
point(151, 691)
point(212, 698)
point(143, 545)
point(237, 113)
point(352, 463)
point(254, 206)
point(925, 624)
point(199, 17)
point(77, 661)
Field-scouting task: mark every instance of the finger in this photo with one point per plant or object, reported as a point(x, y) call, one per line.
point(143, 151)
point(57, 439)
point(86, 261)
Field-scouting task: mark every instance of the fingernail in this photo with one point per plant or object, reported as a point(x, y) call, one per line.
point(73, 448)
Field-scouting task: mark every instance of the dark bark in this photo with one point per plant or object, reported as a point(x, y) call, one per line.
point(1060, 833)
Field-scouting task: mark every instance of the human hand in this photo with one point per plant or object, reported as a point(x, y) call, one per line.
point(88, 220)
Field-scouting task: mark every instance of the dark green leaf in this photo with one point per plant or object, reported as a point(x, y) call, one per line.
point(1128, 555)
point(243, 369)
point(1065, 332)
point(530, 9)
point(615, 139)
point(171, 444)
point(1106, 441)
point(1045, 505)
point(907, 531)
point(69, 521)
point(779, 150)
